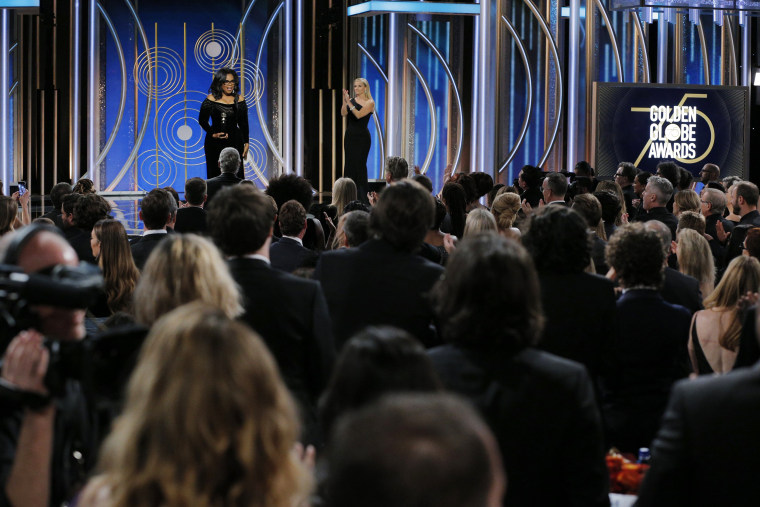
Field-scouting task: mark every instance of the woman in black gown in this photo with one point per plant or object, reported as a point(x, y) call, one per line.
point(357, 141)
point(229, 119)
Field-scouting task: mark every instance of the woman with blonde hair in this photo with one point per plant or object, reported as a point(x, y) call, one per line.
point(686, 200)
point(695, 259)
point(479, 221)
point(207, 421)
point(614, 187)
point(110, 247)
point(715, 331)
point(181, 269)
point(344, 191)
point(357, 140)
point(505, 208)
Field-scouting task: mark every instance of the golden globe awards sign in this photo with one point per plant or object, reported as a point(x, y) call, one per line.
point(691, 125)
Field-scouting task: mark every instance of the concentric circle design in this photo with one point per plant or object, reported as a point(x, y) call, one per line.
point(155, 170)
point(214, 49)
point(178, 134)
point(253, 80)
point(166, 65)
point(255, 164)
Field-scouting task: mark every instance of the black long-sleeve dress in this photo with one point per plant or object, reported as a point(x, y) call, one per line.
point(229, 118)
point(356, 144)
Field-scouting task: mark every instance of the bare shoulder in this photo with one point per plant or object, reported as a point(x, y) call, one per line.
point(210, 97)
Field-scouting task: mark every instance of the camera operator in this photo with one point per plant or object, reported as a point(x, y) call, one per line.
point(46, 448)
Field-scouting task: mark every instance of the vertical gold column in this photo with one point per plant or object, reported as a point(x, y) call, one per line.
point(155, 84)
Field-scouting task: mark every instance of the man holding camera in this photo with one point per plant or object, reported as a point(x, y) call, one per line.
point(45, 447)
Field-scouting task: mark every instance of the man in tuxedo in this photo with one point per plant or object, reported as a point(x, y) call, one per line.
point(654, 199)
point(554, 188)
point(192, 218)
point(57, 193)
point(624, 176)
point(288, 312)
point(745, 205)
point(88, 209)
point(678, 289)
point(288, 253)
point(158, 210)
point(713, 204)
point(709, 172)
point(383, 281)
point(706, 450)
point(396, 169)
point(229, 164)
point(529, 182)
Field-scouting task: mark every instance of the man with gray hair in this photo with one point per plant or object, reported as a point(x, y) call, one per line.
point(554, 188)
point(396, 169)
point(712, 208)
point(229, 164)
point(653, 201)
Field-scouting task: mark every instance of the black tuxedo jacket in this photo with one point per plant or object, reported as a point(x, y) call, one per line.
point(661, 214)
point(647, 356)
point(541, 409)
point(143, 246)
point(291, 316)
point(287, 255)
point(374, 284)
point(748, 221)
point(214, 185)
point(56, 216)
point(191, 219)
point(580, 316)
point(680, 289)
point(80, 242)
point(706, 450)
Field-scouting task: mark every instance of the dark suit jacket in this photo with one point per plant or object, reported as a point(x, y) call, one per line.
point(191, 219)
point(291, 316)
point(375, 284)
point(214, 185)
point(718, 250)
point(629, 195)
point(533, 196)
point(287, 255)
point(580, 316)
point(143, 246)
point(647, 356)
point(80, 242)
point(706, 450)
point(748, 221)
point(680, 289)
point(661, 214)
point(56, 216)
point(541, 409)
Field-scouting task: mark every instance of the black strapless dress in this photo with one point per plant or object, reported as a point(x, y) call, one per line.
point(229, 118)
point(356, 144)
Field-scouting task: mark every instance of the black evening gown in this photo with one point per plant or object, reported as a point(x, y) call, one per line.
point(356, 144)
point(229, 118)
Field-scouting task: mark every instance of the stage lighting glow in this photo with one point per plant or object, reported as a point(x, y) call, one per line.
point(375, 7)
point(16, 4)
point(756, 82)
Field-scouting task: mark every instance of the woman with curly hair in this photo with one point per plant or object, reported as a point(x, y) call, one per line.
point(207, 421)
point(505, 208)
point(715, 331)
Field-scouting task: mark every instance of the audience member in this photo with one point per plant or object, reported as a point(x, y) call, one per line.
point(454, 198)
point(110, 247)
point(648, 353)
point(288, 312)
point(174, 194)
point(716, 330)
point(88, 209)
point(292, 187)
point(157, 212)
point(709, 172)
point(344, 191)
point(355, 228)
point(730, 181)
point(591, 210)
point(613, 188)
point(181, 269)
point(479, 221)
point(396, 169)
point(8, 213)
point(653, 200)
point(713, 205)
point(529, 181)
point(745, 205)
point(671, 172)
point(68, 202)
point(483, 182)
point(577, 327)
point(375, 362)
point(611, 210)
point(685, 180)
point(84, 186)
point(624, 176)
point(505, 209)
point(384, 272)
point(493, 194)
point(751, 244)
point(229, 165)
point(691, 220)
point(288, 253)
point(678, 289)
point(424, 181)
point(686, 200)
point(356, 206)
point(207, 421)
point(639, 184)
point(488, 305)
point(705, 452)
point(554, 188)
point(192, 218)
point(695, 259)
point(56, 195)
point(470, 189)
point(412, 451)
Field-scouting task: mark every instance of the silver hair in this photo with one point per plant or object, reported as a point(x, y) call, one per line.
point(229, 160)
point(662, 188)
point(717, 200)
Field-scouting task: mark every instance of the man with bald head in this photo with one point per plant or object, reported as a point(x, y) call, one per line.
point(709, 172)
point(31, 473)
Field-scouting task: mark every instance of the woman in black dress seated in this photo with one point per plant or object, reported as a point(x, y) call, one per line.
point(357, 141)
point(229, 119)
